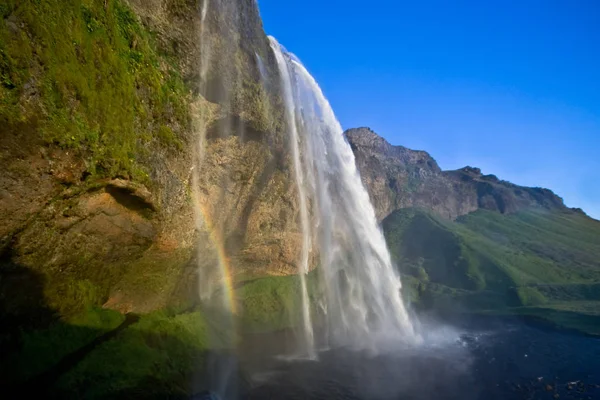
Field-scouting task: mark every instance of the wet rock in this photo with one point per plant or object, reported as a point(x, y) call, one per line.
point(205, 396)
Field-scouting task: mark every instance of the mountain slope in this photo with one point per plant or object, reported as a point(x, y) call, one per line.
point(397, 177)
point(534, 262)
point(472, 242)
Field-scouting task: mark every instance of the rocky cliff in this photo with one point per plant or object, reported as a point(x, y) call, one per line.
point(139, 139)
point(397, 177)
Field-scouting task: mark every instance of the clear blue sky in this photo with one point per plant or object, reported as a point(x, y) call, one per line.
point(512, 87)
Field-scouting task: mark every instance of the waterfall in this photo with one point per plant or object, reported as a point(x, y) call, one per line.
point(204, 283)
point(362, 301)
point(288, 97)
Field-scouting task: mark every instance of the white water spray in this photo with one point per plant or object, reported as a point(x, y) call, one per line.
point(288, 97)
point(363, 305)
point(205, 277)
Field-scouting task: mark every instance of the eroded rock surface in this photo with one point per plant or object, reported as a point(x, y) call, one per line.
point(138, 238)
point(397, 177)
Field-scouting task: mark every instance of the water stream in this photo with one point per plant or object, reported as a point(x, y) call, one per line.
point(362, 301)
point(290, 111)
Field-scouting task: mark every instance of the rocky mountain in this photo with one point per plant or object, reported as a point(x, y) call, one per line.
point(397, 177)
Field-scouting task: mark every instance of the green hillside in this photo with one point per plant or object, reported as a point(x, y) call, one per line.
point(533, 262)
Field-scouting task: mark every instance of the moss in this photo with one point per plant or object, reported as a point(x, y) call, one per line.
point(41, 349)
point(70, 297)
point(531, 296)
point(272, 303)
point(166, 135)
point(154, 356)
point(154, 277)
point(89, 75)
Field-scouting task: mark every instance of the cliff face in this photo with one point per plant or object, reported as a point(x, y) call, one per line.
point(117, 118)
point(397, 177)
point(142, 139)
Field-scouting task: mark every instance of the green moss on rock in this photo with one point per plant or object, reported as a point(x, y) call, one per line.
point(88, 75)
point(272, 303)
point(40, 350)
point(154, 357)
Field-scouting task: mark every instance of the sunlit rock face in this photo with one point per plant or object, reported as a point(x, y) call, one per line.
point(397, 177)
point(214, 166)
point(244, 197)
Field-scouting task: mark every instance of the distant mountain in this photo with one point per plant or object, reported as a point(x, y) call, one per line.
point(472, 242)
point(397, 177)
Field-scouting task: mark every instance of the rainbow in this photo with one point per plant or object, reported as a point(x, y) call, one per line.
point(224, 263)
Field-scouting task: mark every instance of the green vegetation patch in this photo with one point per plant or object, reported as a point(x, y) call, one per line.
point(87, 76)
point(532, 260)
point(273, 303)
point(40, 350)
point(155, 356)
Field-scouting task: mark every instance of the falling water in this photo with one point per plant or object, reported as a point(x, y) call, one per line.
point(288, 97)
point(363, 307)
point(261, 68)
point(200, 128)
point(214, 281)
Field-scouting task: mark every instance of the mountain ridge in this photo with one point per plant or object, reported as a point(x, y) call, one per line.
point(398, 177)
point(468, 242)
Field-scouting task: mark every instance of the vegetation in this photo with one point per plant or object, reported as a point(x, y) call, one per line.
point(99, 353)
point(40, 350)
point(86, 75)
point(157, 355)
point(272, 303)
point(533, 262)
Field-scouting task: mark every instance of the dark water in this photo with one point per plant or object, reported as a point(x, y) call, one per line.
point(485, 359)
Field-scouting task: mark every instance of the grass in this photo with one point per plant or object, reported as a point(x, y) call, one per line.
point(88, 76)
point(156, 355)
point(559, 317)
point(160, 353)
point(42, 349)
point(539, 261)
point(273, 303)
point(484, 263)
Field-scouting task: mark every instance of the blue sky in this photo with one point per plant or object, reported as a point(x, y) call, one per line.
point(512, 87)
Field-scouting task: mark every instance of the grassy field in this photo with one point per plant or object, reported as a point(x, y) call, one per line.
point(99, 354)
point(532, 262)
